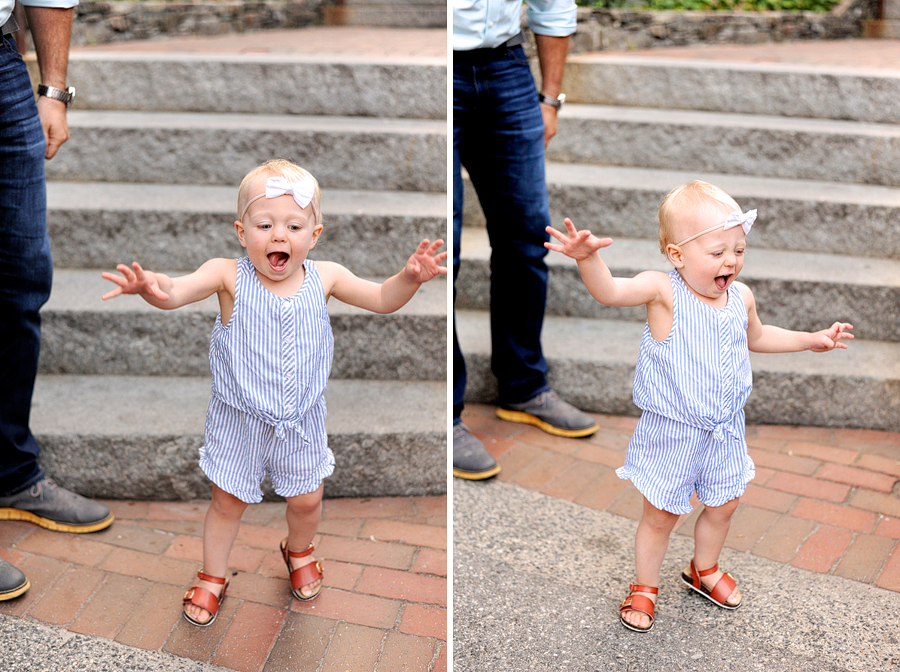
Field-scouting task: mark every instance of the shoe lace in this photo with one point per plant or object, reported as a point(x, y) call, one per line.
point(38, 488)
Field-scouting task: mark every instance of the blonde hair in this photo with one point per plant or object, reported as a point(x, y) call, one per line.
point(289, 171)
point(680, 203)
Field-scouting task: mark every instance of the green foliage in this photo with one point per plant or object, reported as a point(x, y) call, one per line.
point(716, 5)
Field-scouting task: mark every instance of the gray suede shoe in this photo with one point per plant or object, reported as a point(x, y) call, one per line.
point(48, 505)
point(550, 413)
point(12, 581)
point(471, 460)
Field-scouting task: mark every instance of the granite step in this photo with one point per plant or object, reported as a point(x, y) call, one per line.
point(82, 334)
point(719, 142)
point(592, 365)
point(207, 148)
point(308, 84)
point(101, 224)
point(798, 215)
point(793, 290)
point(787, 89)
point(137, 437)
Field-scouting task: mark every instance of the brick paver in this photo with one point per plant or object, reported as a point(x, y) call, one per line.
point(823, 499)
point(384, 598)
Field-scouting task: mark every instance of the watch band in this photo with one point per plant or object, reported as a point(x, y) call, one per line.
point(554, 102)
point(65, 96)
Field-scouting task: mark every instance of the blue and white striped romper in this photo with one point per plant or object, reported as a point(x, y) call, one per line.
point(692, 388)
point(270, 364)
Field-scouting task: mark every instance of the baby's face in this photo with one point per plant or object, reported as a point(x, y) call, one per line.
point(278, 235)
point(713, 261)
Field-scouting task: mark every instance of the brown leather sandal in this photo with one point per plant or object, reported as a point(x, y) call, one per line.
point(719, 593)
point(205, 599)
point(302, 576)
point(640, 603)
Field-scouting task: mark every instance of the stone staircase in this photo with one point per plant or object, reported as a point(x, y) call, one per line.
point(815, 150)
point(159, 143)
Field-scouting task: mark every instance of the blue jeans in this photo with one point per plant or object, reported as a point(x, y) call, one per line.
point(498, 135)
point(26, 268)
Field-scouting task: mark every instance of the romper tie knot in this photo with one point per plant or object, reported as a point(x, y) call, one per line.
point(723, 430)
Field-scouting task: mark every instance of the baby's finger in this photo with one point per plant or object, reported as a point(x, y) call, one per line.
point(553, 233)
point(570, 227)
point(111, 294)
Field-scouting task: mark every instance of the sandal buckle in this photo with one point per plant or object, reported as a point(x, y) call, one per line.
point(189, 595)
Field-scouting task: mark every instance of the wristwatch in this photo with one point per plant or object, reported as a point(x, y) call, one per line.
point(554, 102)
point(65, 96)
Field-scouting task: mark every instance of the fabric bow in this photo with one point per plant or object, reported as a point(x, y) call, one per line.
point(737, 218)
point(744, 219)
point(301, 191)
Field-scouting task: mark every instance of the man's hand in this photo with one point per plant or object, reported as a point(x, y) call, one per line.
point(548, 112)
point(53, 120)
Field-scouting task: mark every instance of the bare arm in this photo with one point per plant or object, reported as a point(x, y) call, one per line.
point(51, 30)
point(768, 338)
point(162, 291)
point(552, 53)
point(393, 293)
point(584, 247)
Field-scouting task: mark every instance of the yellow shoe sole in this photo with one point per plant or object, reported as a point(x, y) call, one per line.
point(15, 593)
point(27, 516)
point(476, 475)
point(528, 419)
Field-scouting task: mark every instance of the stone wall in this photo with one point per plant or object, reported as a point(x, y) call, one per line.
point(617, 29)
point(119, 21)
point(622, 29)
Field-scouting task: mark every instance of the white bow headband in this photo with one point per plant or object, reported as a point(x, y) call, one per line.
point(278, 186)
point(737, 218)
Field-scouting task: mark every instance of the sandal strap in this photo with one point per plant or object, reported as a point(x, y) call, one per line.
point(640, 603)
point(301, 554)
point(212, 579)
point(707, 572)
point(306, 575)
point(723, 588)
point(203, 598)
point(635, 588)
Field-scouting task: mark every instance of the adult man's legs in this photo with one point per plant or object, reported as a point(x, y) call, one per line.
point(471, 460)
point(498, 136)
point(503, 150)
point(25, 280)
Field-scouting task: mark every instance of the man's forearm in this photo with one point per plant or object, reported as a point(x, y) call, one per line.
point(552, 53)
point(51, 31)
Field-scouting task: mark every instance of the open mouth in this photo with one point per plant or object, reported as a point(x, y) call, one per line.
point(278, 260)
point(722, 282)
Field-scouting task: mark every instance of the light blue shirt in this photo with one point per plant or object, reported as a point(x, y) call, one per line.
point(6, 6)
point(487, 24)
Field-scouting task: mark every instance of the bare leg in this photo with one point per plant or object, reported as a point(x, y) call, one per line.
point(303, 515)
point(709, 538)
point(650, 544)
point(223, 520)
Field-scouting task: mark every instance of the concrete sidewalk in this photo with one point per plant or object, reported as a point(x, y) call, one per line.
point(113, 598)
point(543, 555)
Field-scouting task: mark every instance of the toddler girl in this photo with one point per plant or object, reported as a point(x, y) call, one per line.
point(692, 380)
point(270, 355)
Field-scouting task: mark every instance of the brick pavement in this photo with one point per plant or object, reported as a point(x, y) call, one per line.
point(824, 500)
point(383, 604)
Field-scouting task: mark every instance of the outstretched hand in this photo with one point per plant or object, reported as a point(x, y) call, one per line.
point(829, 339)
point(134, 280)
point(578, 245)
point(423, 265)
